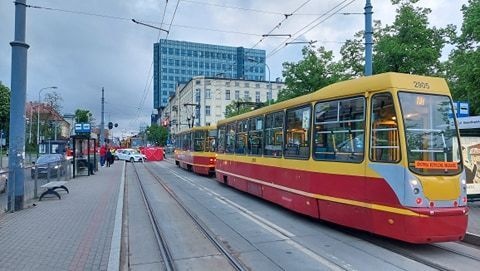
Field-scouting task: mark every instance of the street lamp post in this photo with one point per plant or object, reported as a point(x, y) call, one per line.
point(38, 111)
point(269, 82)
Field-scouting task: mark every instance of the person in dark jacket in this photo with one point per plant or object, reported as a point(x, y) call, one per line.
point(109, 158)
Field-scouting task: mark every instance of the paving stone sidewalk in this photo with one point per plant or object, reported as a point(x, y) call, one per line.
point(73, 233)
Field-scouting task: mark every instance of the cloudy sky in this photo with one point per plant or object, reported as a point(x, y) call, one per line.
point(81, 46)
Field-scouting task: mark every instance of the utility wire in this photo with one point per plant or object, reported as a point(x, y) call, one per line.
point(247, 9)
point(150, 78)
point(77, 12)
point(333, 11)
point(280, 23)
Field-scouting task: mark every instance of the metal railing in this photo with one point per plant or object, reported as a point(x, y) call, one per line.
point(34, 177)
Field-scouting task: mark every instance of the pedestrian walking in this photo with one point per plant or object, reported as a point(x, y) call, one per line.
point(109, 158)
point(103, 153)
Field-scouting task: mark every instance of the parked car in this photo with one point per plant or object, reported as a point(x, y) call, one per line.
point(130, 155)
point(3, 181)
point(52, 165)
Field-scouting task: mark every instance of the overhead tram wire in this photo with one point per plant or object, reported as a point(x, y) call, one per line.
point(283, 44)
point(148, 84)
point(154, 22)
point(150, 78)
point(280, 23)
point(328, 14)
point(246, 9)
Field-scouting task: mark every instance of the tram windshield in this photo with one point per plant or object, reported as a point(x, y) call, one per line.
point(431, 134)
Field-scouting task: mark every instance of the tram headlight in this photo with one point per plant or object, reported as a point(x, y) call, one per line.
point(414, 182)
point(464, 182)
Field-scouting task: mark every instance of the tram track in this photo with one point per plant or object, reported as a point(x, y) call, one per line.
point(329, 261)
point(440, 256)
point(437, 256)
point(161, 236)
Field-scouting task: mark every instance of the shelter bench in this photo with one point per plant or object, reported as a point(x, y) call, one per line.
point(51, 187)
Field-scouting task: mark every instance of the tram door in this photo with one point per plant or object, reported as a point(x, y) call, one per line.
point(384, 151)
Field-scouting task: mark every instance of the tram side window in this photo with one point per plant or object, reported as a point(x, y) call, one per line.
point(255, 136)
point(384, 146)
point(339, 130)
point(241, 140)
point(221, 136)
point(199, 141)
point(210, 145)
point(186, 142)
point(274, 134)
point(230, 138)
point(297, 143)
point(178, 142)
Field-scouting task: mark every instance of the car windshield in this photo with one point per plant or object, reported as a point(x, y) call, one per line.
point(431, 133)
point(45, 159)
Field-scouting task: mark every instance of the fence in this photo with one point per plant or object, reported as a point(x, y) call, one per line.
point(34, 177)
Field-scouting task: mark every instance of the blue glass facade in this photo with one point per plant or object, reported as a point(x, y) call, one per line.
point(178, 61)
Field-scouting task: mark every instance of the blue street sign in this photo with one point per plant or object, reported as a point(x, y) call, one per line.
point(82, 128)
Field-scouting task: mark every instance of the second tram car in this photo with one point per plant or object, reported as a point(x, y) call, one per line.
point(379, 153)
point(195, 150)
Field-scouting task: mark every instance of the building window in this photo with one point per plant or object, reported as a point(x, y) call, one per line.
point(227, 95)
point(247, 85)
point(207, 110)
point(208, 94)
point(246, 95)
point(257, 96)
point(197, 82)
point(257, 85)
point(197, 95)
point(227, 83)
point(237, 95)
point(237, 84)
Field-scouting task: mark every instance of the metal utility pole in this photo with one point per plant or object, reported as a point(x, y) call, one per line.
point(368, 38)
point(102, 122)
point(16, 175)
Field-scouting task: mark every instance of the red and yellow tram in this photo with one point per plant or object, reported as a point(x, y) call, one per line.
point(195, 150)
point(378, 153)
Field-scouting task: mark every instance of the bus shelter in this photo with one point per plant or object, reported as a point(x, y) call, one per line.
point(84, 150)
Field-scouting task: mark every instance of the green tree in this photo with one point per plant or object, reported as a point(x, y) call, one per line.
point(157, 135)
point(4, 108)
point(317, 69)
point(409, 45)
point(463, 67)
point(353, 52)
point(241, 106)
point(82, 116)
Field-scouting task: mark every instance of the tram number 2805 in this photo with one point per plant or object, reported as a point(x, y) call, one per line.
point(418, 84)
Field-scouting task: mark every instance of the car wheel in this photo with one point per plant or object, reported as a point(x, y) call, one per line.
point(132, 160)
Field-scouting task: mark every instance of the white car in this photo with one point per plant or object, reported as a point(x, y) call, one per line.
point(130, 155)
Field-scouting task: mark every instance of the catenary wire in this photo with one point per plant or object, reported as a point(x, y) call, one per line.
point(280, 23)
point(339, 7)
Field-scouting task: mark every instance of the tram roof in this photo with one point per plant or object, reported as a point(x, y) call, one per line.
point(358, 86)
point(200, 128)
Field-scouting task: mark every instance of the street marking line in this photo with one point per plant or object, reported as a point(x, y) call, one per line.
point(115, 245)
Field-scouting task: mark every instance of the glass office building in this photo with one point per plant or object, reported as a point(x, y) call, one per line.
point(176, 62)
